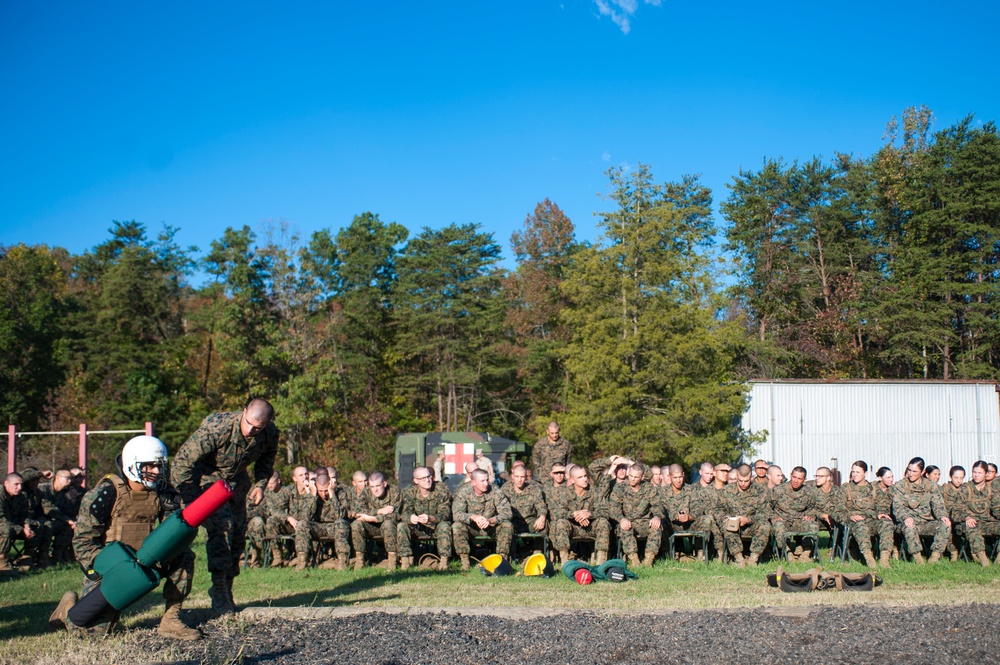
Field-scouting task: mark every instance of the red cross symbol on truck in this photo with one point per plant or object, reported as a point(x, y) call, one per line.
point(457, 455)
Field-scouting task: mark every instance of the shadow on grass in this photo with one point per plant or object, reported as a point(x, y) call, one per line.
point(344, 592)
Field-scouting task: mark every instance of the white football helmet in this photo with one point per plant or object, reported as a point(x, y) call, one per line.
point(144, 450)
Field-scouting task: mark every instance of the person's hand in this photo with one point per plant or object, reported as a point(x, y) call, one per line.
point(292, 522)
point(744, 521)
point(683, 517)
point(423, 519)
point(480, 521)
point(625, 524)
point(857, 518)
point(256, 496)
point(384, 510)
point(970, 522)
point(539, 523)
point(29, 533)
point(908, 522)
point(947, 521)
point(654, 523)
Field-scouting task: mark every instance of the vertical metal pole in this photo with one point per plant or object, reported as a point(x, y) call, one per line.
point(82, 459)
point(149, 429)
point(11, 448)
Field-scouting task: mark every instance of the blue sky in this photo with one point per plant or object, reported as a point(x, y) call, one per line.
point(208, 115)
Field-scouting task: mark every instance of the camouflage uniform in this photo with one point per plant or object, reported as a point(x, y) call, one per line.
point(384, 525)
point(705, 511)
point(39, 508)
point(545, 453)
point(59, 515)
point(97, 515)
point(863, 500)
point(13, 516)
point(599, 478)
point(982, 507)
point(638, 506)
point(753, 504)
point(290, 503)
point(563, 504)
point(492, 504)
point(950, 495)
point(789, 508)
point(674, 503)
point(437, 507)
point(257, 519)
point(327, 522)
point(527, 506)
point(218, 449)
point(922, 502)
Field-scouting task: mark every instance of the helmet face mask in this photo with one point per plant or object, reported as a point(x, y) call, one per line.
point(145, 451)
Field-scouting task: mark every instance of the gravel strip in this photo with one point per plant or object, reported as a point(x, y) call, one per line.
point(932, 634)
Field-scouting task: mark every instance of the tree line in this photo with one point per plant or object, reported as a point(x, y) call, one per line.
point(640, 342)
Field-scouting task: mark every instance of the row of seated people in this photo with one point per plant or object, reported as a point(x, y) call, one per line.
point(615, 497)
point(38, 512)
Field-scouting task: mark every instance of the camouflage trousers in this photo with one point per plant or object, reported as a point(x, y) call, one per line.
point(361, 532)
point(35, 546)
point(708, 524)
point(406, 533)
point(936, 528)
point(794, 525)
point(758, 532)
point(977, 534)
point(862, 532)
point(462, 534)
point(62, 541)
point(227, 536)
point(256, 533)
point(641, 529)
point(563, 531)
point(337, 532)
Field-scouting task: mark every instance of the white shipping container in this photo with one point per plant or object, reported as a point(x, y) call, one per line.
point(884, 423)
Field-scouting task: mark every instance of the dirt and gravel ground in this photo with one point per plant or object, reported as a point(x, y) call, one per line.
point(858, 634)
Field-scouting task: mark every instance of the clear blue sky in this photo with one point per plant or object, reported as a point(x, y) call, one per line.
point(213, 114)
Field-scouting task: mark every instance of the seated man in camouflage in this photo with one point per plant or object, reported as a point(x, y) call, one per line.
point(745, 506)
point(39, 509)
point(636, 507)
point(704, 505)
point(257, 514)
point(579, 512)
point(293, 507)
point(677, 500)
point(975, 513)
point(480, 509)
point(60, 495)
point(919, 509)
point(426, 513)
point(378, 517)
point(15, 523)
point(793, 510)
point(527, 503)
point(329, 524)
point(860, 509)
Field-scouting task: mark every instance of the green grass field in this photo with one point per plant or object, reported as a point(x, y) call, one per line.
point(27, 600)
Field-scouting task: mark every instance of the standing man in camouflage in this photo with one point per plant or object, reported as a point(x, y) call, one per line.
point(579, 512)
point(378, 516)
point(637, 509)
point(793, 510)
point(426, 512)
point(224, 446)
point(480, 509)
point(745, 506)
point(527, 503)
point(549, 450)
point(919, 509)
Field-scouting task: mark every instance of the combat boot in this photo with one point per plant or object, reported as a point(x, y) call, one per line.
point(633, 560)
point(253, 561)
point(806, 555)
point(752, 561)
point(442, 563)
point(405, 562)
point(171, 625)
point(219, 593)
point(359, 561)
point(59, 619)
point(648, 560)
point(465, 562)
point(565, 556)
point(600, 557)
point(984, 559)
point(342, 562)
point(870, 559)
point(391, 561)
point(300, 561)
point(883, 559)
point(935, 557)
point(43, 561)
point(739, 560)
point(5, 566)
point(918, 559)
point(954, 554)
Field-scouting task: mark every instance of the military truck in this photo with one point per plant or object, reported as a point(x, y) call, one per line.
point(421, 449)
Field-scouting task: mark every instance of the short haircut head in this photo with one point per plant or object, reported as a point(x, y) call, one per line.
point(480, 473)
point(800, 469)
point(260, 410)
point(376, 477)
point(359, 475)
point(322, 479)
point(743, 471)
